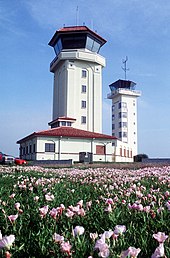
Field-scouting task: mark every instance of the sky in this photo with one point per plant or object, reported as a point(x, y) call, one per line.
point(134, 28)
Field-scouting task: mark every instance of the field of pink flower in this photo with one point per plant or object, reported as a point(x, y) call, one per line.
point(96, 212)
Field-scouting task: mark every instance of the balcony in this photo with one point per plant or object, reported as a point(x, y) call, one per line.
point(124, 92)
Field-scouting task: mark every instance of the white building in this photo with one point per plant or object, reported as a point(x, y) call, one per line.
point(76, 126)
point(124, 114)
point(66, 142)
point(77, 70)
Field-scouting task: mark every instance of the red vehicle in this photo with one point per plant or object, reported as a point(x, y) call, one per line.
point(19, 161)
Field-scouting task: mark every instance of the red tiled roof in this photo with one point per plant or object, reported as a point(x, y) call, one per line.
point(66, 131)
point(75, 29)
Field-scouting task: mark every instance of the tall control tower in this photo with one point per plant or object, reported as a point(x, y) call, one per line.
point(77, 68)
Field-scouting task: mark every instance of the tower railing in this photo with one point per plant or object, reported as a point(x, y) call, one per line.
point(123, 91)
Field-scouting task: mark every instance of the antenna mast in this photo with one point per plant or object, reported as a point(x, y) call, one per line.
point(77, 15)
point(125, 69)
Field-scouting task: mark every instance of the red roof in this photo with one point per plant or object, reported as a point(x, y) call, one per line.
point(75, 29)
point(68, 131)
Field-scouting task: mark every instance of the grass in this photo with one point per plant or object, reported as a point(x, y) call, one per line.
point(87, 194)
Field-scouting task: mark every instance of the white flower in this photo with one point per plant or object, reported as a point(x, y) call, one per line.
point(7, 241)
point(78, 230)
point(57, 238)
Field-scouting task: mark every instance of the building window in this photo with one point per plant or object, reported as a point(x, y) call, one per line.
point(113, 107)
point(30, 149)
point(122, 124)
point(68, 123)
point(83, 104)
point(100, 150)
point(49, 147)
point(27, 150)
point(83, 119)
point(84, 73)
point(125, 134)
point(113, 126)
point(122, 114)
point(63, 123)
point(83, 88)
point(122, 105)
point(34, 148)
point(120, 134)
point(113, 117)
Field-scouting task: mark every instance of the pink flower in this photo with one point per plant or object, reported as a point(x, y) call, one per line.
point(108, 208)
point(123, 201)
point(43, 211)
point(104, 251)
point(78, 230)
point(57, 238)
point(49, 197)
point(88, 205)
point(80, 203)
point(81, 212)
point(53, 213)
point(93, 236)
point(102, 247)
point(159, 251)
point(66, 247)
point(7, 254)
point(147, 209)
point(36, 198)
point(160, 237)
point(168, 205)
point(100, 242)
point(7, 241)
point(108, 234)
point(69, 213)
point(140, 207)
point(12, 196)
point(131, 251)
point(167, 194)
point(109, 201)
point(17, 205)
point(12, 218)
point(119, 229)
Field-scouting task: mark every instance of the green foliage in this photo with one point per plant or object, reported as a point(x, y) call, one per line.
point(34, 234)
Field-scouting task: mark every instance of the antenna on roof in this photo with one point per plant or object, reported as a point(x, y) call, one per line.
point(77, 15)
point(125, 69)
point(92, 24)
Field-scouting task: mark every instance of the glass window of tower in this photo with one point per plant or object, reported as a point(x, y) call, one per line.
point(83, 104)
point(84, 73)
point(83, 119)
point(83, 88)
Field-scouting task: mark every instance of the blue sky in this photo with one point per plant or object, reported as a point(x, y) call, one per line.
point(134, 28)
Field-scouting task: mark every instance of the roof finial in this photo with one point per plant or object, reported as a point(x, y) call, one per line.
point(125, 69)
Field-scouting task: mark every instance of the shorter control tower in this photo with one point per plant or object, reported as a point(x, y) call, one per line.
point(124, 112)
